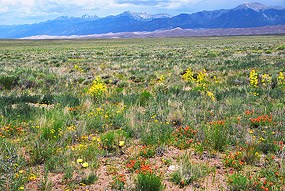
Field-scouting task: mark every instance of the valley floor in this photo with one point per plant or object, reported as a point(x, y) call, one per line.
point(203, 113)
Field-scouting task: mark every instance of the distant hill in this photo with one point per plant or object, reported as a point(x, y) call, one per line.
point(247, 15)
point(177, 32)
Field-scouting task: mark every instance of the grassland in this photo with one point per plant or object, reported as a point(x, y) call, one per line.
point(143, 114)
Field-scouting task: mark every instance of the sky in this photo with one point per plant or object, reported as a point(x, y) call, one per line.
point(34, 11)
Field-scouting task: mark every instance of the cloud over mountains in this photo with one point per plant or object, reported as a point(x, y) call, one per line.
point(32, 11)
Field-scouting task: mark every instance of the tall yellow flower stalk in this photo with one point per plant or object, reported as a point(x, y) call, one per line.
point(266, 80)
point(253, 78)
point(188, 76)
point(200, 81)
point(98, 88)
point(281, 78)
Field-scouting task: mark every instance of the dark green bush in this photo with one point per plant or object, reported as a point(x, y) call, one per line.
point(8, 82)
point(149, 182)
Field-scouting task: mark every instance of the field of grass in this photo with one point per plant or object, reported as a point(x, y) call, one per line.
point(143, 114)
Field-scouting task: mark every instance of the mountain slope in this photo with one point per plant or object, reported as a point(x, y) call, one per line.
point(247, 15)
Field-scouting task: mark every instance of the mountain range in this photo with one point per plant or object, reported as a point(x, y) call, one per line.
point(247, 15)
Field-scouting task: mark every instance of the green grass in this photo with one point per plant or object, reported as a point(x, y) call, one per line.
point(149, 182)
point(61, 100)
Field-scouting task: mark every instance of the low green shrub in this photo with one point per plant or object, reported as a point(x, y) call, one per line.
point(8, 82)
point(189, 172)
point(149, 182)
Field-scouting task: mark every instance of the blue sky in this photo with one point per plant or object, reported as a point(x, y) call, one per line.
point(32, 11)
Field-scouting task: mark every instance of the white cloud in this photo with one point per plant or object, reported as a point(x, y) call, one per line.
point(172, 4)
point(157, 3)
point(4, 9)
point(16, 6)
point(81, 4)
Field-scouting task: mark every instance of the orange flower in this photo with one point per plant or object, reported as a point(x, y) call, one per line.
point(145, 168)
point(247, 112)
point(190, 141)
point(186, 128)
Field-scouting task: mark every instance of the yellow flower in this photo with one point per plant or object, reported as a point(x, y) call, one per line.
point(32, 177)
point(76, 67)
point(257, 154)
point(98, 88)
point(266, 79)
point(121, 143)
point(21, 188)
point(188, 76)
point(201, 78)
point(281, 78)
point(79, 161)
point(253, 78)
point(211, 95)
point(85, 165)
point(161, 78)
